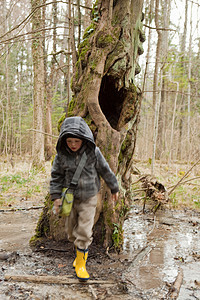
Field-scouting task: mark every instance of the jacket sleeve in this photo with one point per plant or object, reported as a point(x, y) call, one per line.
point(104, 170)
point(57, 179)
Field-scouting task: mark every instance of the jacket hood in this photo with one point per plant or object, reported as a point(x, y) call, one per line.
point(74, 126)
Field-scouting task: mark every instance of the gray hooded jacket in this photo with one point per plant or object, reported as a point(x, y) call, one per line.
point(66, 162)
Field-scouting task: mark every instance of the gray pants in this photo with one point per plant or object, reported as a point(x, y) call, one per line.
point(80, 222)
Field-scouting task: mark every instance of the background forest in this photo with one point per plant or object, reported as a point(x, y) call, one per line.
point(154, 76)
point(38, 44)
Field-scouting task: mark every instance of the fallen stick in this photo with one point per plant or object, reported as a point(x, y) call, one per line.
point(52, 279)
point(140, 256)
point(154, 224)
point(177, 285)
point(93, 292)
point(20, 208)
point(186, 181)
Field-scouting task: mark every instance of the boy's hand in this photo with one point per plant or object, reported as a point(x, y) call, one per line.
point(115, 196)
point(57, 205)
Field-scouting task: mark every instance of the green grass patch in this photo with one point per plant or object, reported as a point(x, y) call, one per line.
point(21, 185)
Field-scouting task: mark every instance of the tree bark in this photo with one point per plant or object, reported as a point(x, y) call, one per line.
point(106, 97)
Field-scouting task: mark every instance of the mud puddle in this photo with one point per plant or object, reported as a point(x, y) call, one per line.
point(160, 260)
point(168, 247)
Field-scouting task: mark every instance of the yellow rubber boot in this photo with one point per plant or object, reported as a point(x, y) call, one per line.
point(80, 267)
point(74, 263)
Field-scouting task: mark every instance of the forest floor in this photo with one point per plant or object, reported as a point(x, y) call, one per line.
point(160, 257)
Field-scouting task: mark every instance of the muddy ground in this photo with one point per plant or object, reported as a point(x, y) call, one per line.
point(160, 260)
point(160, 257)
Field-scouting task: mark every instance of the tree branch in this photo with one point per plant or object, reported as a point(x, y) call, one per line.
point(164, 29)
point(186, 181)
point(32, 12)
point(178, 183)
point(194, 2)
point(55, 136)
point(30, 32)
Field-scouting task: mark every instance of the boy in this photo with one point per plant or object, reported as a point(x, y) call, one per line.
point(76, 138)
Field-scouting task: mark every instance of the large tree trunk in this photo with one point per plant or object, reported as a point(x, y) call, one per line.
point(106, 97)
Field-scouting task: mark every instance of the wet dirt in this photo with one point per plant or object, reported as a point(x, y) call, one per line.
point(160, 260)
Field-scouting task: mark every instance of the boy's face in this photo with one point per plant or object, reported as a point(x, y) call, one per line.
point(74, 144)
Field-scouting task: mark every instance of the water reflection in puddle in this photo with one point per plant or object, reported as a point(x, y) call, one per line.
point(169, 243)
point(135, 235)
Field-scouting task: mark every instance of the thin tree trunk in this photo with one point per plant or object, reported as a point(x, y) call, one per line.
point(19, 130)
point(72, 36)
point(158, 49)
point(163, 56)
point(79, 21)
point(173, 121)
point(181, 121)
point(68, 77)
point(3, 123)
point(155, 129)
point(65, 60)
point(51, 89)
point(3, 137)
point(156, 94)
point(149, 45)
point(39, 79)
point(189, 87)
point(146, 82)
point(86, 20)
point(6, 147)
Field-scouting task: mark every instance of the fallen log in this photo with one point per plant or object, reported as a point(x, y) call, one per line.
point(46, 279)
